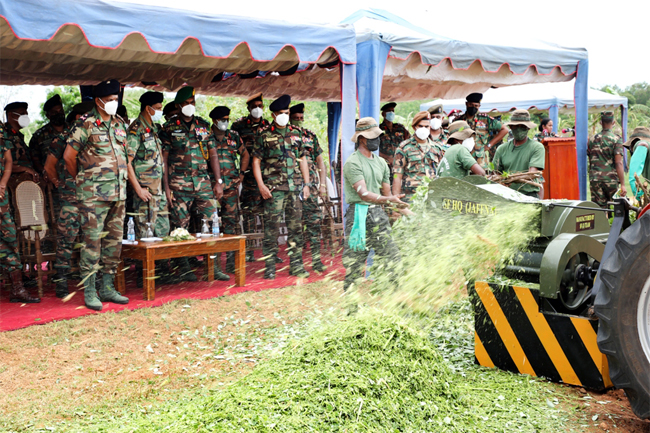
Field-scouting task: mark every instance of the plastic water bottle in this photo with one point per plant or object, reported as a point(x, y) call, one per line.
point(130, 232)
point(215, 224)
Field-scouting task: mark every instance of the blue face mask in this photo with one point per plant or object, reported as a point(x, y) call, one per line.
point(390, 116)
point(157, 116)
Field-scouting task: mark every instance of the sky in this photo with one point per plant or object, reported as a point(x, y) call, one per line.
point(613, 32)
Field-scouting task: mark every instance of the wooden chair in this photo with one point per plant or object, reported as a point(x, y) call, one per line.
point(254, 232)
point(332, 226)
point(32, 226)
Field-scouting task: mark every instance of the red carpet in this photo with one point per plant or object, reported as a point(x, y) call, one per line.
point(16, 316)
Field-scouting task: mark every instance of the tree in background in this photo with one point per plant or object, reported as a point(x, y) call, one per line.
point(70, 96)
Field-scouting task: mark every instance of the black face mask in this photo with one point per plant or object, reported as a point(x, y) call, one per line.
point(58, 119)
point(471, 111)
point(372, 144)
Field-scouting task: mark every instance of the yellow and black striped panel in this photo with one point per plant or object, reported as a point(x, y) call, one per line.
point(512, 334)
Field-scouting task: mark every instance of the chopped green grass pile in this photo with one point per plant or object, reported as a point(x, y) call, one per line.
point(441, 251)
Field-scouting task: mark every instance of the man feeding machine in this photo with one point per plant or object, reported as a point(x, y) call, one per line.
point(574, 307)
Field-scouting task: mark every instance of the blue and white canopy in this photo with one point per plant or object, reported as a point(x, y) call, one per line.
point(397, 61)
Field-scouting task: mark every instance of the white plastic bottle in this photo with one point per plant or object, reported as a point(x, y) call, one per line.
point(215, 224)
point(130, 233)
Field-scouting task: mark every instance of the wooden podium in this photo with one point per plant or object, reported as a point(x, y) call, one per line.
point(561, 169)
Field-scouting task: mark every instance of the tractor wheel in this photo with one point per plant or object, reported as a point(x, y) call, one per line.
point(623, 307)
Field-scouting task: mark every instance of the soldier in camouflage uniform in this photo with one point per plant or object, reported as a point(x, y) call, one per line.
point(249, 129)
point(394, 134)
point(415, 159)
point(9, 259)
point(188, 144)
point(96, 157)
point(233, 162)
point(281, 173)
point(68, 220)
point(39, 145)
point(438, 134)
point(605, 151)
point(18, 119)
point(312, 214)
point(489, 131)
point(145, 176)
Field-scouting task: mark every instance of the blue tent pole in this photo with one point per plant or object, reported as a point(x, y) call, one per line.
point(333, 125)
point(624, 121)
point(582, 123)
point(554, 114)
point(348, 114)
point(371, 61)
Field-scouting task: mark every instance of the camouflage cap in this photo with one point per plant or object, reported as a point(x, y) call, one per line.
point(420, 116)
point(367, 127)
point(435, 109)
point(460, 130)
point(521, 117)
point(607, 116)
point(640, 133)
point(184, 94)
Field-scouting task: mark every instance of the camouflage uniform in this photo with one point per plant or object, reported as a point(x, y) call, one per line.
point(390, 140)
point(188, 148)
point(416, 163)
point(279, 153)
point(311, 212)
point(230, 150)
point(486, 128)
point(20, 153)
point(39, 148)
point(145, 154)
point(9, 259)
point(101, 189)
point(601, 150)
point(441, 141)
point(540, 136)
point(68, 219)
point(251, 200)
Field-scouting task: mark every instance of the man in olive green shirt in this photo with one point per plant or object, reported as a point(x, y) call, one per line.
point(367, 187)
point(458, 162)
point(521, 154)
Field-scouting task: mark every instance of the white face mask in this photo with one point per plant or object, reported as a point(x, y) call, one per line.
point(436, 123)
point(188, 110)
point(110, 107)
point(390, 116)
point(469, 144)
point(422, 133)
point(282, 119)
point(157, 116)
point(222, 125)
point(23, 120)
point(257, 112)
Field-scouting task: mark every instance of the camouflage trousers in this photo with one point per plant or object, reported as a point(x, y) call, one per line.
point(377, 237)
point(229, 211)
point(67, 226)
point(154, 211)
point(251, 206)
point(312, 218)
point(602, 191)
point(203, 201)
point(102, 225)
point(288, 203)
point(9, 258)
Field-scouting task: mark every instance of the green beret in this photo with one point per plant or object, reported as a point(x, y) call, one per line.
point(184, 94)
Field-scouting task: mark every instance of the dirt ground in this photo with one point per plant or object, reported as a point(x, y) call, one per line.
point(65, 369)
point(609, 412)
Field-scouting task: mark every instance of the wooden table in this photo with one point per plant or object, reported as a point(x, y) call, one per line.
point(149, 252)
